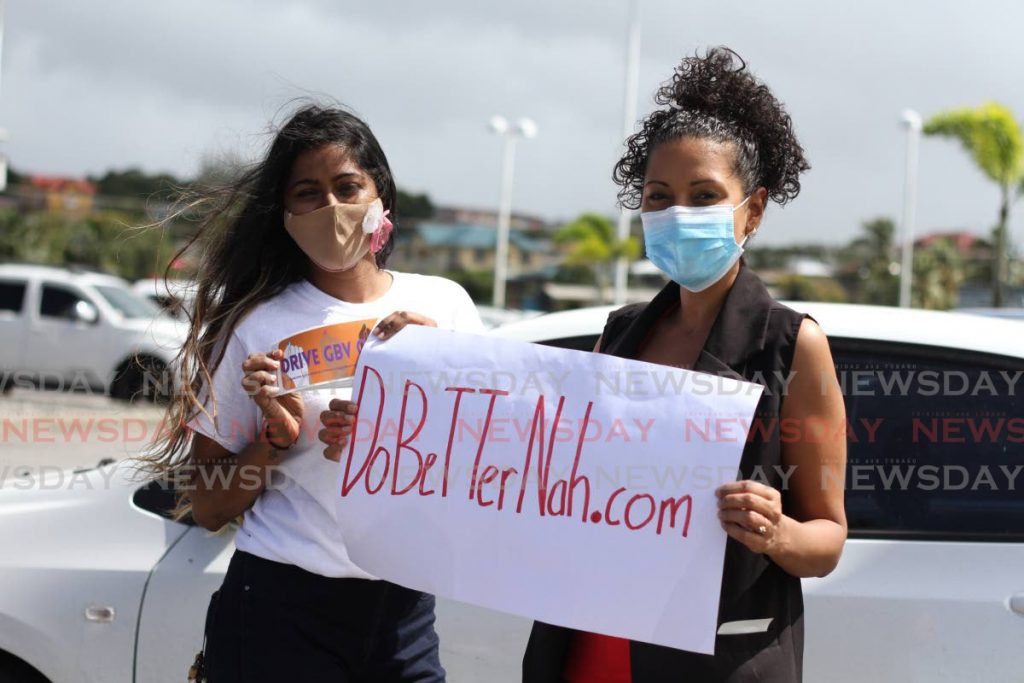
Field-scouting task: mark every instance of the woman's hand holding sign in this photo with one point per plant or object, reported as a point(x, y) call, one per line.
point(282, 415)
point(751, 512)
point(337, 422)
point(391, 325)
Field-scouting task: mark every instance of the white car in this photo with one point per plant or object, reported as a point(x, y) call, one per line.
point(98, 585)
point(82, 330)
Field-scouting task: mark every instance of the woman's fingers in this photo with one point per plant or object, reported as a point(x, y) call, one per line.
point(259, 371)
point(341, 405)
point(263, 361)
point(282, 415)
point(334, 437)
point(259, 378)
point(332, 418)
point(394, 323)
point(749, 501)
point(748, 519)
point(333, 453)
point(751, 496)
point(747, 486)
point(335, 440)
point(337, 422)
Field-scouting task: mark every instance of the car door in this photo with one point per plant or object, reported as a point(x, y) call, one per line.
point(931, 583)
point(173, 614)
point(62, 345)
point(13, 323)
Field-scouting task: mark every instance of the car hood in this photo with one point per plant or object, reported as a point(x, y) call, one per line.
point(166, 332)
point(64, 517)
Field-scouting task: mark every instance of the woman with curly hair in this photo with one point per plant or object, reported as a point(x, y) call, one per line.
point(299, 241)
point(701, 170)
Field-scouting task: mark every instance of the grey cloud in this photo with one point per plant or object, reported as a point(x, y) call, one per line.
point(89, 85)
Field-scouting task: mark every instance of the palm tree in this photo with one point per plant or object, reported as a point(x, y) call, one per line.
point(994, 140)
point(593, 243)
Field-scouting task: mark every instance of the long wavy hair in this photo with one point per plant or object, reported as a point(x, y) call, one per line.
point(247, 257)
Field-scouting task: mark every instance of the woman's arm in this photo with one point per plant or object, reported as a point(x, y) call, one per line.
point(808, 539)
point(224, 484)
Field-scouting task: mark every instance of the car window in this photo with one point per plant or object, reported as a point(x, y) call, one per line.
point(12, 296)
point(160, 498)
point(936, 442)
point(583, 342)
point(128, 303)
point(58, 302)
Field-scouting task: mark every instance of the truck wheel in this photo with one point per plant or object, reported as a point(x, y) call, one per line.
point(14, 670)
point(141, 379)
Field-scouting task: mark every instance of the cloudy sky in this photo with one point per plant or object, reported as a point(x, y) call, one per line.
point(88, 86)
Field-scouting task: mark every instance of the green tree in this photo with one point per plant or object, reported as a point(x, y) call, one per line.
point(135, 183)
point(592, 242)
point(870, 259)
point(938, 274)
point(993, 138)
point(101, 240)
point(411, 205)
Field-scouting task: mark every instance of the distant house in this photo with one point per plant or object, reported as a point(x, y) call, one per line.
point(487, 218)
point(969, 245)
point(54, 193)
point(436, 247)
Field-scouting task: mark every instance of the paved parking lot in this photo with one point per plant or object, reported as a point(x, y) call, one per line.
point(60, 429)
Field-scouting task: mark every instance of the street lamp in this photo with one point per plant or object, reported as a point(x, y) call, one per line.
point(910, 120)
point(510, 132)
point(629, 120)
point(3, 132)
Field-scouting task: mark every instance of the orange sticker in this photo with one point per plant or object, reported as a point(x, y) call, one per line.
point(322, 355)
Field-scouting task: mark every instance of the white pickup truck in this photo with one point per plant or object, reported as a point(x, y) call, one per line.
point(80, 330)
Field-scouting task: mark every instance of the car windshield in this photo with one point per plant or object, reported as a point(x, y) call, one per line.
point(127, 303)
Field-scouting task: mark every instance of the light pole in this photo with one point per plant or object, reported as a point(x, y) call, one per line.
point(510, 132)
point(3, 132)
point(628, 120)
point(910, 120)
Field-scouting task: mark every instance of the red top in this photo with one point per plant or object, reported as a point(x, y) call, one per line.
point(594, 658)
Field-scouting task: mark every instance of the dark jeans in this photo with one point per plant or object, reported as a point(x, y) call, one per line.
point(276, 622)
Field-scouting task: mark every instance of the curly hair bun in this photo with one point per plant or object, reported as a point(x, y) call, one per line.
point(715, 96)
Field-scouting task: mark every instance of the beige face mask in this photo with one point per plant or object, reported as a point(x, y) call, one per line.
point(335, 237)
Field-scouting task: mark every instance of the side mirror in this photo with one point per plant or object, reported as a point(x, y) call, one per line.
point(85, 312)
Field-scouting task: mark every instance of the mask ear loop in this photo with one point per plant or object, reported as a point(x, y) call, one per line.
point(737, 208)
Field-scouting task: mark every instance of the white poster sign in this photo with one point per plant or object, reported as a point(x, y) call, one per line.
point(569, 487)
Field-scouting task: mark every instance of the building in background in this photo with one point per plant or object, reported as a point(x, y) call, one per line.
point(487, 217)
point(435, 247)
point(69, 196)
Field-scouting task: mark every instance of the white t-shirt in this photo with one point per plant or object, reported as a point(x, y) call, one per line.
point(293, 519)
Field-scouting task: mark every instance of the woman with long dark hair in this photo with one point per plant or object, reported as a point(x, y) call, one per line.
point(701, 170)
point(300, 240)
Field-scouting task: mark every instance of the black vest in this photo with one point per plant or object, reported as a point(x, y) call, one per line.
point(753, 338)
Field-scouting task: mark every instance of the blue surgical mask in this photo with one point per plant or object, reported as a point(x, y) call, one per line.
point(693, 245)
